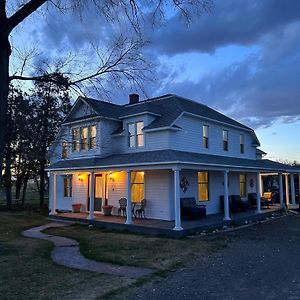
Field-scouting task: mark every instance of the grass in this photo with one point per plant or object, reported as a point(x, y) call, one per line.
point(27, 272)
point(160, 253)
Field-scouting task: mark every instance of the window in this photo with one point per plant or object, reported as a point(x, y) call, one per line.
point(242, 185)
point(225, 140)
point(68, 186)
point(135, 134)
point(84, 138)
point(76, 139)
point(203, 186)
point(93, 134)
point(242, 147)
point(205, 136)
point(64, 150)
point(137, 186)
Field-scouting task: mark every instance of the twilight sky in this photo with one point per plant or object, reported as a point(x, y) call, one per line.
point(243, 59)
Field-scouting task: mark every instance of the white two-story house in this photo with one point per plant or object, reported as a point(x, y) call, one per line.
point(161, 150)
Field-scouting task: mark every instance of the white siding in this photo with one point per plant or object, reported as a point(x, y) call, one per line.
point(190, 139)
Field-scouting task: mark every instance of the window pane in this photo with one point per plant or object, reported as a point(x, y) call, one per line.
point(64, 149)
point(84, 138)
point(93, 134)
point(131, 128)
point(140, 140)
point(225, 135)
point(65, 186)
point(243, 185)
point(139, 127)
point(137, 186)
point(132, 141)
point(203, 186)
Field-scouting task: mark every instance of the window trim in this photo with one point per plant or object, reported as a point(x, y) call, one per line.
point(67, 186)
point(135, 135)
point(137, 183)
point(88, 138)
point(206, 183)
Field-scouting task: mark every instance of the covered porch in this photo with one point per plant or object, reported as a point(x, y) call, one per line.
point(165, 178)
point(161, 227)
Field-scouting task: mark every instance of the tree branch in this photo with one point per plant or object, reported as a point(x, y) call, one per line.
point(24, 12)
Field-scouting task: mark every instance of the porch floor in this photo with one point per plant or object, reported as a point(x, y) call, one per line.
point(160, 227)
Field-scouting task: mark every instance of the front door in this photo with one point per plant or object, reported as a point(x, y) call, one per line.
point(98, 192)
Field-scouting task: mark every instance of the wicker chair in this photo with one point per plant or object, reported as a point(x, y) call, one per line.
point(123, 206)
point(140, 212)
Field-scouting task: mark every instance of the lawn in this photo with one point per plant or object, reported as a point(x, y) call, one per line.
point(27, 272)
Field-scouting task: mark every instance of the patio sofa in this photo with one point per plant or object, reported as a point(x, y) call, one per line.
point(190, 209)
point(236, 203)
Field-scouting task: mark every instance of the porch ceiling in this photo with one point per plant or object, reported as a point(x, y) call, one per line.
point(170, 157)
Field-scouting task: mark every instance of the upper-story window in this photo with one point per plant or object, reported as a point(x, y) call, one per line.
point(64, 153)
point(225, 140)
point(93, 134)
point(84, 138)
point(135, 134)
point(242, 143)
point(76, 139)
point(205, 136)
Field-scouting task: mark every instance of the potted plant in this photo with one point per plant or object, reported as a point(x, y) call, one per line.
point(107, 210)
point(76, 207)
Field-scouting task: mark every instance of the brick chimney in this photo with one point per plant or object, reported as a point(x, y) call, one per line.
point(134, 98)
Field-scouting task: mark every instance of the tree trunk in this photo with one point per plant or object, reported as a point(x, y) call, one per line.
point(7, 181)
point(5, 52)
point(18, 188)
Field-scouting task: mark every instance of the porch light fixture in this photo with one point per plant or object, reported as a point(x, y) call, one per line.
point(111, 176)
point(80, 177)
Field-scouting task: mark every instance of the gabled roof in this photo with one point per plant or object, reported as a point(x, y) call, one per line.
point(165, 157)
point(167, 109)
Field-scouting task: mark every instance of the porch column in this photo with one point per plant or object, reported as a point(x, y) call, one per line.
point(129, 206)
point(53, 208)
point(226, 197)
point(287, 195)
point(258, 192)
point(177, 200)
point(293, 189)
point(280, 189)
point(92, 196)
point(260, 185)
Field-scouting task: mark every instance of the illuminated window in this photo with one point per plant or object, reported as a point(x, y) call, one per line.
point(225, 140)
point(68, 186)
point(137, 186)
point(76, 139)
point(64, 150)
point(135, 134)
point(84, 138)
point(205, 136)
point(242, 145)
point(242, 185)
point(203, 186)
point(93, 134)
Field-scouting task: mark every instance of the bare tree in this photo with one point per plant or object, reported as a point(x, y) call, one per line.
point(123, 61)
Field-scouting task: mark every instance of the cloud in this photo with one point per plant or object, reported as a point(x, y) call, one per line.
point(231, 22)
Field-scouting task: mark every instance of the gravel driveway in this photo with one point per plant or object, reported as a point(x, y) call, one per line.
point(260, 262)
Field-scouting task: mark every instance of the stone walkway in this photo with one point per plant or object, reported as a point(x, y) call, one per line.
point(66, 253)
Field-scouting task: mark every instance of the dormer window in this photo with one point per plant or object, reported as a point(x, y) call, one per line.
point(225, 140)
point(136, 135)
point(84, 138)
